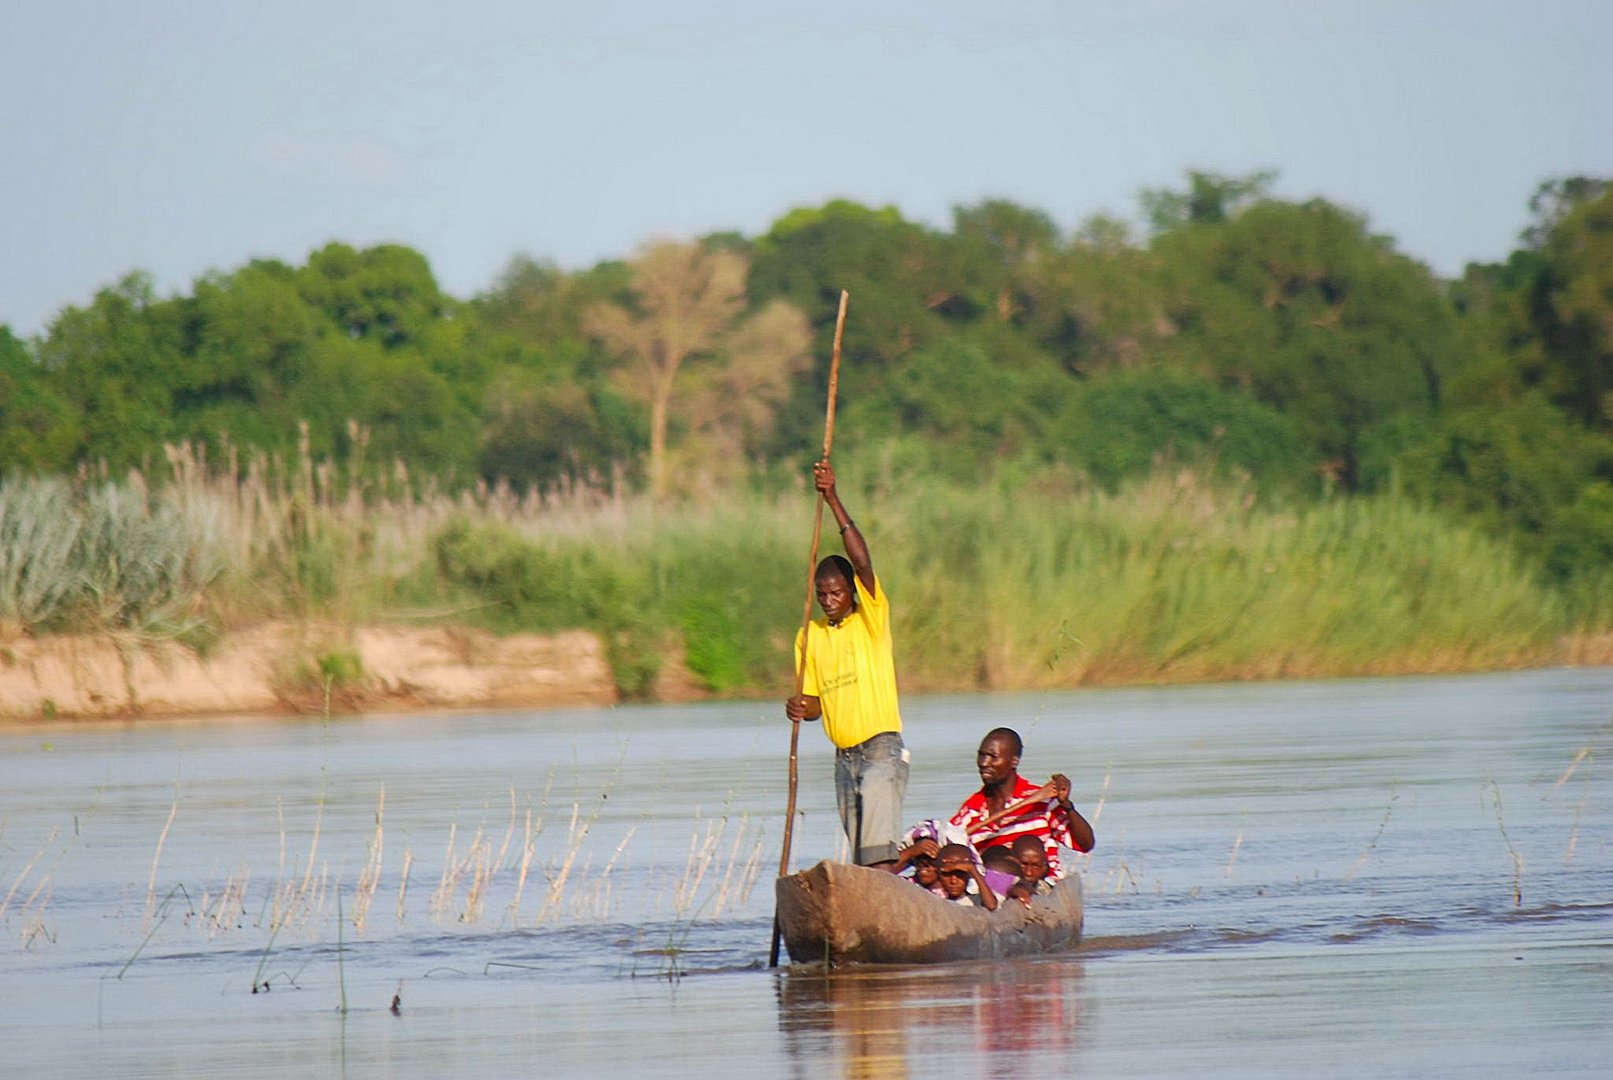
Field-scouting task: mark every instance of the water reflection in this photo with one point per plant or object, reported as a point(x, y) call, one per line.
point(892, 1023)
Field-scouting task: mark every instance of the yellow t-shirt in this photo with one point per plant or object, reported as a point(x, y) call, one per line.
point(850, 670)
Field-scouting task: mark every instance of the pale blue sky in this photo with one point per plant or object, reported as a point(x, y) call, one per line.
point(180, 137)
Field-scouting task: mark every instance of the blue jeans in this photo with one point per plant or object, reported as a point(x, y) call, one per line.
point(870, 782)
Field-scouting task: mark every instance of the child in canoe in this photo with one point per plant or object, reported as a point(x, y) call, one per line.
point(956, 867)
point(919, 849)
point(921, 859)
point(1000, 867)
point(1032, 858)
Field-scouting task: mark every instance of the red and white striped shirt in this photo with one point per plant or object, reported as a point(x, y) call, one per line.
point(1044, 818)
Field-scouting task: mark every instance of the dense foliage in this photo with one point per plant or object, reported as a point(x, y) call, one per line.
point(1280, 341)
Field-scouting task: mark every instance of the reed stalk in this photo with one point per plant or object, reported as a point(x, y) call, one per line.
point(528, 849)
point(1372, 845)
point(1573, 833)
point(227, 910)
point(448, 884)
point(27, 869)
point(370, 878)
point(1237, 844)
point(1517, 859)
point(576, 833)
point(403, 881)
point(1584, 754)
point(481, 867)
point(151, 883)
point(341, 958)
point(152, 927)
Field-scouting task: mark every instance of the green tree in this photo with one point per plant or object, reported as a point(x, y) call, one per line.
point(1572, 300)
point(385, 293)
point(1098, 305)
point(1122, 424)
point(1003, 241)
point(118, 363)
point(550, 415)
point(1301, 306)
point(546, 433)
point(249, 343)
point(906, 293)
point(1210, 199)
point(900, 275)
point(39, 431)
point(1518, 465)
point(949, 409)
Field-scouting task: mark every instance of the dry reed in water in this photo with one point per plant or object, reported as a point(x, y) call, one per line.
point(32, 910)
point(26, 870)
point(529, 846)
point(1237, 844)
point(1517, 859)
point(403, 881)
point(704, 850)
point(298, 903)
point(448, 884)
point(1372, 845)
point(151, 884)
point(576, 833)
point(370, 878)
point(227, 910)
point(1572, 765)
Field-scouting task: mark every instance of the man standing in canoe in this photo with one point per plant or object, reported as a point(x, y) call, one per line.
point(849, 680)
point(1008, 806)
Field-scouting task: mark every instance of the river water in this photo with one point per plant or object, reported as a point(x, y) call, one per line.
point(1389, 877)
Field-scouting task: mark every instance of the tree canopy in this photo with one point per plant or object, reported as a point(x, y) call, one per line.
point(1282, 340)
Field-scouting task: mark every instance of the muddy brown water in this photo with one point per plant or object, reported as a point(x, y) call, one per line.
point(1392, 877)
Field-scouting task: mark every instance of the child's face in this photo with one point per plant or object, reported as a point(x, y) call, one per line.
point(1032, 865)
point(954, 881)
point(924, 871)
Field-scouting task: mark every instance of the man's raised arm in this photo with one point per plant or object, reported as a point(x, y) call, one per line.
point(850, 536)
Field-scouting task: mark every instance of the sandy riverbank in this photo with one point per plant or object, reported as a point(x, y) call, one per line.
point(275, 667)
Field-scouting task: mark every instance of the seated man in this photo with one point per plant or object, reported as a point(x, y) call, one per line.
point(956, 867)
point(1008, 806)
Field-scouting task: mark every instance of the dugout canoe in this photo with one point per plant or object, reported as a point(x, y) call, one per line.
point(838, 914)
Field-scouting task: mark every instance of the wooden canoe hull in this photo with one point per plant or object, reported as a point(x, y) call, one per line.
point(837, 914)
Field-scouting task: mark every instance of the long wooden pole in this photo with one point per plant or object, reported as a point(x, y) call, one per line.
point(806, 613)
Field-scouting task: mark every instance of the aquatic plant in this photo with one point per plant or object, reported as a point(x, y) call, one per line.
point(33, 905)
point(1517, 859)
point(156, 858)
point(369, 878)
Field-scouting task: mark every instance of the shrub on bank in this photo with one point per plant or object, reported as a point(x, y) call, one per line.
point(680, 583)
point(104, 557)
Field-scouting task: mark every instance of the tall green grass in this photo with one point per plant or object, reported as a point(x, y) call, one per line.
point(1037, 582)
point(1174, 579)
